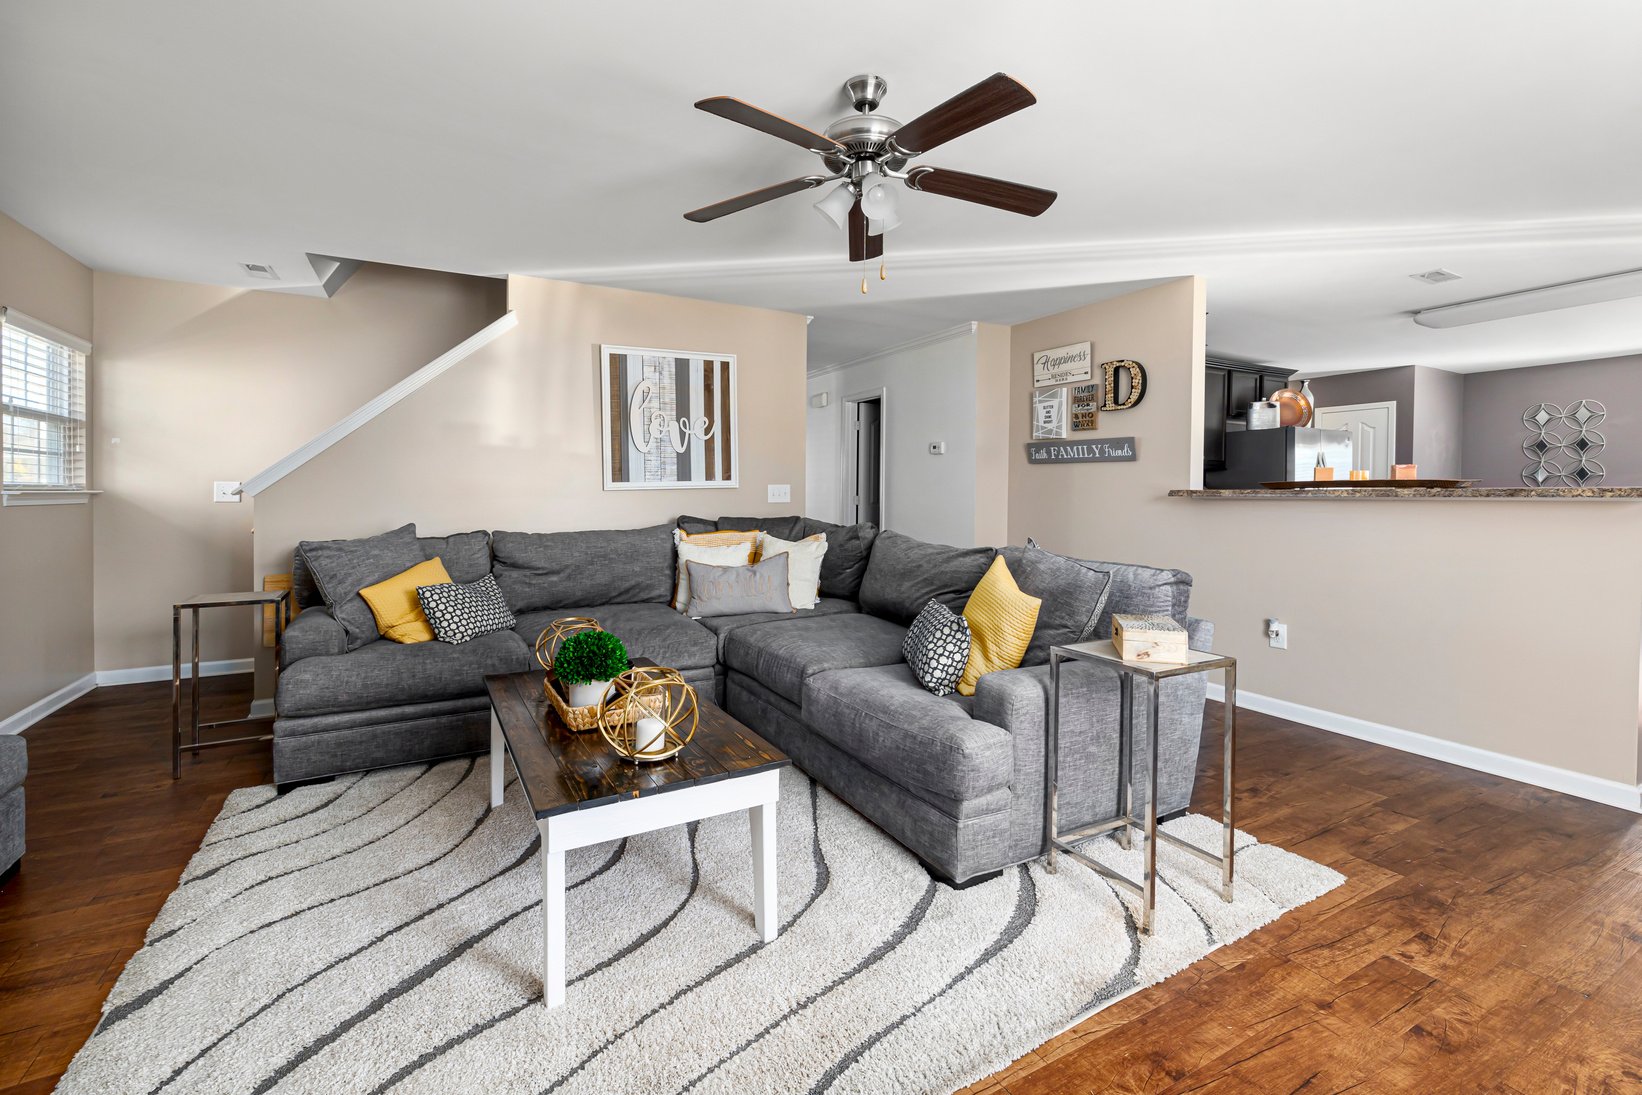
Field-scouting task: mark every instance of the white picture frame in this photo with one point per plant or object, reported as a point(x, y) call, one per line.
point(670, 447)
point(1069, 364)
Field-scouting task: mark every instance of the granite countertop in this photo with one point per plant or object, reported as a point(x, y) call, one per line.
point(1345, 493)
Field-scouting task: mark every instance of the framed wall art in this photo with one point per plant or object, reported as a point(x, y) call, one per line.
point(669, 418)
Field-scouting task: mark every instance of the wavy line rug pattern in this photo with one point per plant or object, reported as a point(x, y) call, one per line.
point(381, 933)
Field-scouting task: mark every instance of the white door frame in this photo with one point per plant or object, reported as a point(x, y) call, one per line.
point(1390, 406)
point(847, 446)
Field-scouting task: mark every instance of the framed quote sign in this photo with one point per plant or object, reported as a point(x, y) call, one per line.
point(669, 418)
point(1063, 364)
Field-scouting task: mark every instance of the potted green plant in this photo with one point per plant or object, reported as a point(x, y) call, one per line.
point(587, 662)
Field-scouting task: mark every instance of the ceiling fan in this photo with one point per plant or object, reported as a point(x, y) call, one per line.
point(870, 151)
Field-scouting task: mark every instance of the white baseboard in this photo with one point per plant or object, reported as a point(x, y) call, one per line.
point(1607, 791)
point(145, 674)
point(39, 709)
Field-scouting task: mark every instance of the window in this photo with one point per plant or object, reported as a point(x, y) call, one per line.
point(43, 400)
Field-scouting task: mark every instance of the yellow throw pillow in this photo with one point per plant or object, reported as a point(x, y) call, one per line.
point(393, 602)
point(1001, 621)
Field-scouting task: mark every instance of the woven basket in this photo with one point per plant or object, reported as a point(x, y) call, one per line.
point(579, 719)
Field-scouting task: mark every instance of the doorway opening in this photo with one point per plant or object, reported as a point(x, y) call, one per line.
point(864, 458)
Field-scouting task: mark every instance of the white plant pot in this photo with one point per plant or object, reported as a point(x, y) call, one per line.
point(586, 695)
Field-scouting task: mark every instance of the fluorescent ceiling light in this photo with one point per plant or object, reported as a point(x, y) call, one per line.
point(1508, 305)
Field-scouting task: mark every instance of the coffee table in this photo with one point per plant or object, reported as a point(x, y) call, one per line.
point(582, 793)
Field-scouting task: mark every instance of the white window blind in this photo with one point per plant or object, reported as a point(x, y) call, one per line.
point(43, 402)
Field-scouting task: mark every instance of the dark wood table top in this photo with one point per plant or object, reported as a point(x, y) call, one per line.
point(562, 771)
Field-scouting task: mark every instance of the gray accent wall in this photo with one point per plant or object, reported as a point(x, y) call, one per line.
point(1438, 428)
point(1494, 402)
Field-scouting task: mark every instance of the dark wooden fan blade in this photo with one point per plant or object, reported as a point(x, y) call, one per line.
point(862, 245)
point(1028, 201)
point(765, 122)
point(997, 96)
point(752, 198)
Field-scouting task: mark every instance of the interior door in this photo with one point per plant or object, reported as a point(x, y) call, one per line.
point(1373, 428)
point(869, 458)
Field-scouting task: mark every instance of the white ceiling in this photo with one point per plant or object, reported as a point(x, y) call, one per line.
point(1305, 157)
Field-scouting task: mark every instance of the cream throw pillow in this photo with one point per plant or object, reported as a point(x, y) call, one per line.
point(718, 555)
point(803, 565)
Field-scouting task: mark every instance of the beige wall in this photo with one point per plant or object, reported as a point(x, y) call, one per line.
point(510, 438)
point(45, 551)
point(195, 383)
point(992, 435)
point(1513, 627)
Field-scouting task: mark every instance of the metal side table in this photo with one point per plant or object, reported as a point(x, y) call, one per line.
point(280, 599)
point(1104, 653)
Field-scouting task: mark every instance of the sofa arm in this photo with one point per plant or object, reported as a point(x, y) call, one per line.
point(314, 631)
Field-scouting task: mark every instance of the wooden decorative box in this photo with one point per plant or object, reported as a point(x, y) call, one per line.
point(1149, 639)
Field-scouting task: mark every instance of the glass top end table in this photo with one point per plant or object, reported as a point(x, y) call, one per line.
point(1152, 674)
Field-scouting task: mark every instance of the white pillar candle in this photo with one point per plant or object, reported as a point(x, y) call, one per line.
point(647, 733)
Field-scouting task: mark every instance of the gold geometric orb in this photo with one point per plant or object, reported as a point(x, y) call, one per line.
point(549, 641)
point(644, 693)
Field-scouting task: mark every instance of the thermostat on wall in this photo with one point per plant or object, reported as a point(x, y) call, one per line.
point(937, 448)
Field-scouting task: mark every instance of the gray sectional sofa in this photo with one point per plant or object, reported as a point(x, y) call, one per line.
point(14, 766)
point(958, 780)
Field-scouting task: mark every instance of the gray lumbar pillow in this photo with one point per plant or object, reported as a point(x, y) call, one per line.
point(341, 568)
point(735, 591)
point(1073, 596)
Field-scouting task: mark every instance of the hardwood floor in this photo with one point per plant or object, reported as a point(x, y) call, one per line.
point(1489, 937)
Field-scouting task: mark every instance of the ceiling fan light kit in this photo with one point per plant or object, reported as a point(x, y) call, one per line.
point(871, 151)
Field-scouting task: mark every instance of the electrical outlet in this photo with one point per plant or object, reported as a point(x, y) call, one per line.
point(1277, 633)
point(223, 491)
point(780, 492)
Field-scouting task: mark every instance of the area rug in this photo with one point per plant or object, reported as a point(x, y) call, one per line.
point(381, 933)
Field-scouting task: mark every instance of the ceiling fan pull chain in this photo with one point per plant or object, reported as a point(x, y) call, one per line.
point(882, 274)
point(863, 279)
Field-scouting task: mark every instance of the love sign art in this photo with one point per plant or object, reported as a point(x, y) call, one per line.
point(669, 418)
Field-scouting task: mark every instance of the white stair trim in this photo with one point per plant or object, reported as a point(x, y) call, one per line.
point(1607, 791)
point(422, 377)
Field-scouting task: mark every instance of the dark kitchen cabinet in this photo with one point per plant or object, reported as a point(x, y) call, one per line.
point(1229, 387)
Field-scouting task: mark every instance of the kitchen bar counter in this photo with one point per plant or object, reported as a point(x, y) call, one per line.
point(1344, 493)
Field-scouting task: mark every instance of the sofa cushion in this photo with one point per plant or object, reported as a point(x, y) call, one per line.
point(882, 717)
point(781, 655)
point(314, 632)
point(1074, 595)
point(904, 574)
point(1143, 591)
point(784, 528)
point(559, 569)
point(466, 555)
point(722, 626)
point(695, 525)
point(342, 568)
point(389, 674)
point(647, 630)
point(845, 563)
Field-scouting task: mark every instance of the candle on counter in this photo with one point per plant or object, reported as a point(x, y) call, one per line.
point(647, 734)
point(1405, 471)
point(1359, 473)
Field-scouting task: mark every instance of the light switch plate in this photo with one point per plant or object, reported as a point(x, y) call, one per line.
point(224, 491)
point(780, 492)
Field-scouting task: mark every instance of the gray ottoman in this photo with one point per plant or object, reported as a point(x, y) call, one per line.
point(14, 765)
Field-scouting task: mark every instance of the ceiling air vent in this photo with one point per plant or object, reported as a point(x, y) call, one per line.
point(1436, 277)
point(260, 270)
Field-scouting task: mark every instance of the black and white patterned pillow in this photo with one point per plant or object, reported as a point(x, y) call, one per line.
point(460, 612)
point(937, 647)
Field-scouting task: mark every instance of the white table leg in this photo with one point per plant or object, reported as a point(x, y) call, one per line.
point(498, 760)
point(762, 819)
point(552, 919)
